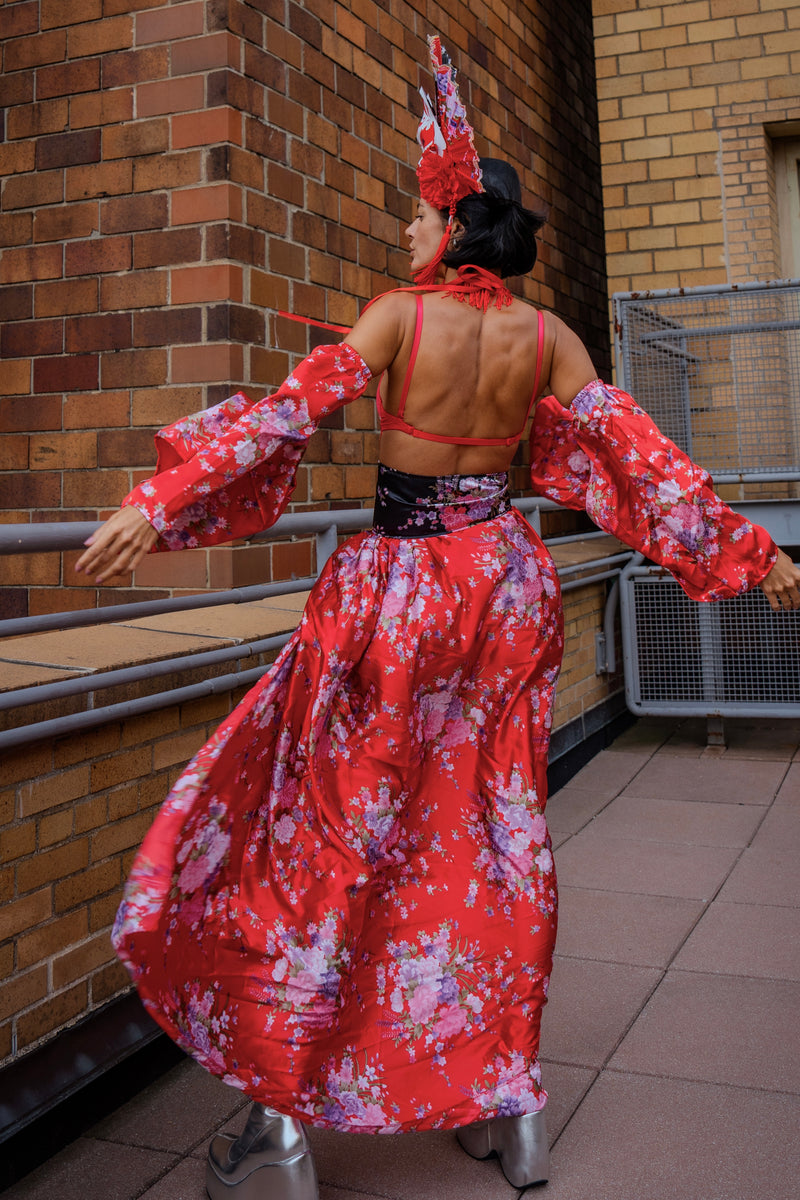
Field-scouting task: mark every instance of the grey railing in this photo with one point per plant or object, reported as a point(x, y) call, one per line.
point(324, 526)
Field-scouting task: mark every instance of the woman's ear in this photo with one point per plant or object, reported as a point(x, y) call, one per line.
point(456, 234)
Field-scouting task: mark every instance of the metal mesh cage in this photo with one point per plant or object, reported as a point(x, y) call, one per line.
point(733, 657)
point(719, 372)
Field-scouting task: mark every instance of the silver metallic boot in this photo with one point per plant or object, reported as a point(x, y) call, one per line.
point(519, 1142)
point(270, 1160)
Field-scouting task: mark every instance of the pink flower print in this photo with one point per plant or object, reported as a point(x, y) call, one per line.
point(578, 462)
point(669, 492)
point(422, 1004)
point(685, 522)
point(284, 829)
point(451, 1021)
point(302, 988)
point(539, 829)
point(544, 861)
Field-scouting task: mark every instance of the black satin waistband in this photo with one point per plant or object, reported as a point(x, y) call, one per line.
point(413, 506)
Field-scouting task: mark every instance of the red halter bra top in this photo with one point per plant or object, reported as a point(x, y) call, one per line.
point(397, 421)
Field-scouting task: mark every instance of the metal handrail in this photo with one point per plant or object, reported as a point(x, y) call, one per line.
point(293, 524)
point(324, 525)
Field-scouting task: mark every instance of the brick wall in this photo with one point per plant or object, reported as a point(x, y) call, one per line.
point(690, 96)
point(175, 174)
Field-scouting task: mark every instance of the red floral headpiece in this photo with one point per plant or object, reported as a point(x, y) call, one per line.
point(448, 168)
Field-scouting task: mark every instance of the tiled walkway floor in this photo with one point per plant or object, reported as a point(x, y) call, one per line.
point(671, 1044)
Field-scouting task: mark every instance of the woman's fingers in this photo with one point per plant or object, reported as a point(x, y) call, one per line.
point(782, 585)
point(118, 546)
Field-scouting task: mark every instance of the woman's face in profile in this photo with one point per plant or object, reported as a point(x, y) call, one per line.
point(425, 234)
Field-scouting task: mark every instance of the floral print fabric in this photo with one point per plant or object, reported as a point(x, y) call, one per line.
point(347, 905)
point(425, 505)
point(228, 472)
point(605, 455)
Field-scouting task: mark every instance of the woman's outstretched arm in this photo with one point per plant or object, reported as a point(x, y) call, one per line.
point(118, 546)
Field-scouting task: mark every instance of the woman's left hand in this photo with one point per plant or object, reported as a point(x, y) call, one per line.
point(782, 585)
point(118, 545)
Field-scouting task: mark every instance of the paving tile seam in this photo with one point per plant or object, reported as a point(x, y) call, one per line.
point(704, 1080)
point(761, 979)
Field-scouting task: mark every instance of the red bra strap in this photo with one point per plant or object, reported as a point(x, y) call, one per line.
point(412, 359)
point(539, 359)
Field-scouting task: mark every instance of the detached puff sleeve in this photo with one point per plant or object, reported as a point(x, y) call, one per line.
point(605, 455)
point(228, 472)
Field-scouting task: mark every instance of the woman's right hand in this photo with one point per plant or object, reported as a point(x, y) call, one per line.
point(118, 546)
point(782, 585)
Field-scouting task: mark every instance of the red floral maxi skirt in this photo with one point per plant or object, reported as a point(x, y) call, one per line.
point(347, 905)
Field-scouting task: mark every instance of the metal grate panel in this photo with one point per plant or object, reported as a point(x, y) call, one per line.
point(719, 372)
point(733, 657)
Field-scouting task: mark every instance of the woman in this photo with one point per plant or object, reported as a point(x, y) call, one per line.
point(347, 906)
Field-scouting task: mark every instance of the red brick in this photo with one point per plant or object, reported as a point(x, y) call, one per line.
point(16, 229)
point(125, 448)
point(101, 108)
point(55, 12)
point(95, 256)
point(168, 327)
point(65, 297)
point(170, 95)
point(64, 223)
point(82, 960)
point(203, 53)
point(170, 24)
point(21, 19)
point(13, 457)
point(129, 367)
point(53, 864)
point(52, 1015)
point(104, 179)
point(220, 202)
point(127, 213)
point(30, 191)
point(46, 939)
point(167, 247)
point(29, 338)
point(63, 451)
point(68, 79)
point(31, 262)
point(142, 289)
point(96, 410)
point(266, 68)
point(39, 412)
point(162, 406)
point(24, 53)
point(135, 138)
point(78, 371)
point(167, 171)
point(207, 128)
point(286, 259)
point(235, 322)
point(16, 88)
point(98, 332)
point(22, 991)
point(94, 489)
point(32, 120)
point(193, 284)
point(197, 364)
point(131, 66)
point(16, 377)
point(68, 149)
point(16, 158)
point(99, 37)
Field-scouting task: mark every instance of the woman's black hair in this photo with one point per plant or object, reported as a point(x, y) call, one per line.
point(499, 232)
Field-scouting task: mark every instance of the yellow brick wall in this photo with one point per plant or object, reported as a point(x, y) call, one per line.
point(690, 95)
